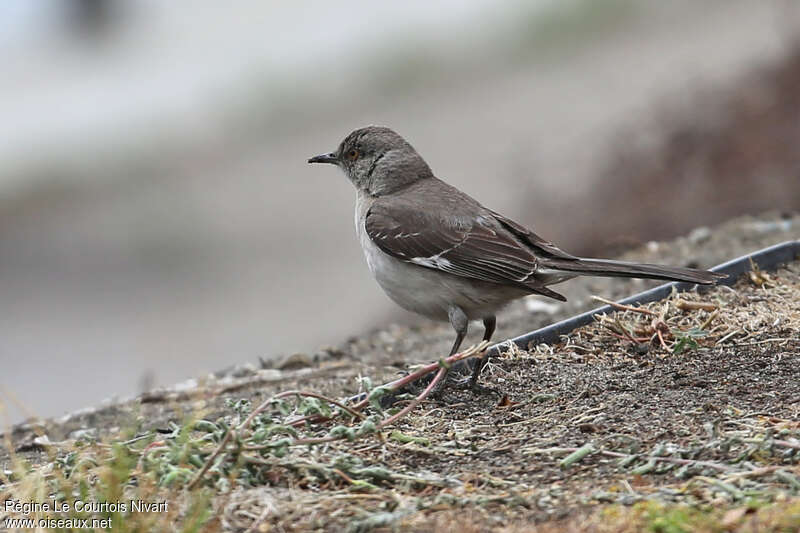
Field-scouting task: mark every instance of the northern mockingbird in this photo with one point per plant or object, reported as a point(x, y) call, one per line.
point(436, 251)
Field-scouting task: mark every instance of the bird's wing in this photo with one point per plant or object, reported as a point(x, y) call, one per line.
point(471, 245)
point(530, 238)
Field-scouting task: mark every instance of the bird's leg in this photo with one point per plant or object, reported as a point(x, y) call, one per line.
point(489, 324)
point(460, 322)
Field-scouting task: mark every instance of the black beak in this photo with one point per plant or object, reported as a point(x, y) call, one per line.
point(324, 158)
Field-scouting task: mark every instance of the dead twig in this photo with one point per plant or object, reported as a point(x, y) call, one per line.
point(625, 307)
point(686, 305)
point(675, 460)
point(416, 401)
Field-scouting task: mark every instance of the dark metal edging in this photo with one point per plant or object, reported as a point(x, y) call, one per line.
point(766, 259)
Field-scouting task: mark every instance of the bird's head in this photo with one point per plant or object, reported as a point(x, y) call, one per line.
point(377, 160)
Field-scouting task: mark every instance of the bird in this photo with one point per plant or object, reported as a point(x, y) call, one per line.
point(437, 252)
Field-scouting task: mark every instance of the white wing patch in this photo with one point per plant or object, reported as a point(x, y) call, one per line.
point(431, 262)
point(524, 278)
point(437, 261)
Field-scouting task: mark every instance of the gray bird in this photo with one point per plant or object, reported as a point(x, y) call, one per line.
point(436, 251)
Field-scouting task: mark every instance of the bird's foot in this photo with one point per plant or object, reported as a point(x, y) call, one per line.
point(470, 384)
point(460, 382)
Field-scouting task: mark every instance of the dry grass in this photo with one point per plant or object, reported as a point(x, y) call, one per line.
point(682, 415)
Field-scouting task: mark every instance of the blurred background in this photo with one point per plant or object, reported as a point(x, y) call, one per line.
point(158, 219)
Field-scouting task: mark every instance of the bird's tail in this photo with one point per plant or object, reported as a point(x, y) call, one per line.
point(622, 269)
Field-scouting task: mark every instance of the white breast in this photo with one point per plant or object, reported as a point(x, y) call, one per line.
point(423, 290)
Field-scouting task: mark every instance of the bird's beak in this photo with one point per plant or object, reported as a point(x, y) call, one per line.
point(324, 158)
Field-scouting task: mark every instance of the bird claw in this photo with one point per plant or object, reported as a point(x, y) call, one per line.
point(470, 384)
point(464, 383)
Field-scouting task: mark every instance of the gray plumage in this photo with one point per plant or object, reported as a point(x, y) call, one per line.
point(436, 251)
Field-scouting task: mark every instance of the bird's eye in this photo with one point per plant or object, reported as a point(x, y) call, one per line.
point(353, 154)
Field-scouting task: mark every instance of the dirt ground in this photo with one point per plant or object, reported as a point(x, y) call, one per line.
point(717, 424)
point(714, 424)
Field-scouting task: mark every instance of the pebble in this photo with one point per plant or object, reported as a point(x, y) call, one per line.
point(83, 434)
point(699, 235)
point(295, 361)
point(244, 370)
point(769, 226)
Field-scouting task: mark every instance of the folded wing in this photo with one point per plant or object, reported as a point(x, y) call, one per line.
point(472, 245)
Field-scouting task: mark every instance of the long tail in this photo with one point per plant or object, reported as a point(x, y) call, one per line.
point(622, 269)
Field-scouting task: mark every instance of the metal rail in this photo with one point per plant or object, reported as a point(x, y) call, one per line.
point(766, 259)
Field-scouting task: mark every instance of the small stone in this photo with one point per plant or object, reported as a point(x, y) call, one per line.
point(699, 235)
point(772, 226)
point(34, 443)
point(332, 352)
point(641, 349)
point(184, 386)
point(243, 370)
point(295, 361)
point(83, 434)
point(386, 337)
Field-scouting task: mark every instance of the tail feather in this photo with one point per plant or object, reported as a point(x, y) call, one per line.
point(623, 269)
